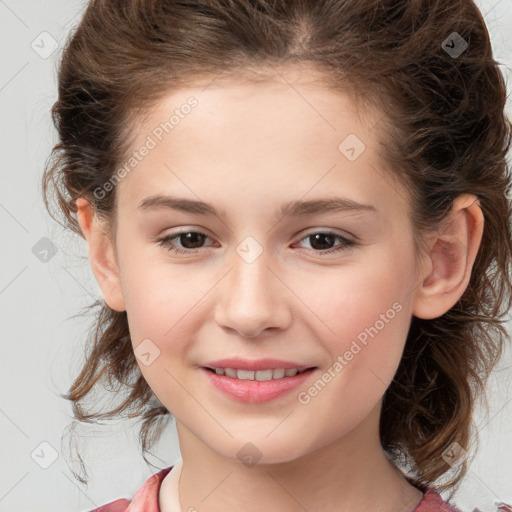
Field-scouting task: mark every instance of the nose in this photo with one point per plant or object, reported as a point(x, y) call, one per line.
point(252, 298)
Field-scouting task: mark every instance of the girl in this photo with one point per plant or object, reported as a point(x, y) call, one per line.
point(206, 150)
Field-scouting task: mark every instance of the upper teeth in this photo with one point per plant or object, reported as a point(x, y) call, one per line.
point(278, 373)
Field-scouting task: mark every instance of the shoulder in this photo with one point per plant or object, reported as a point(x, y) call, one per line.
point(115, 506)
point(146, 498)
point(433, 502)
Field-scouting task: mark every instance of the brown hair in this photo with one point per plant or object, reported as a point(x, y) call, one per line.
point(445, 133)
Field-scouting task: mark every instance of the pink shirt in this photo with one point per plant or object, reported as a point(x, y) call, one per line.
point(146, 499)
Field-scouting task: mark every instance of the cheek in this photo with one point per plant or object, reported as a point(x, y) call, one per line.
point(166, 304)
point(162, 310)
point(363, 314)
point(350, 298)
point(156, 293)
point(370, 328)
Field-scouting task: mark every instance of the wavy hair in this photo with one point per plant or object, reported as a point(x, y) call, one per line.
point(443, 133)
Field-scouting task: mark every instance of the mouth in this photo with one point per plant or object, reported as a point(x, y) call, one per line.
point(259, 375)
point(257, 386)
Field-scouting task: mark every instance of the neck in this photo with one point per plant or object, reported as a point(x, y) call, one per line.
point(351, 474)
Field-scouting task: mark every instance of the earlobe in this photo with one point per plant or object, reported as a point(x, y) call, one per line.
point(101, 255)
point(450, 260)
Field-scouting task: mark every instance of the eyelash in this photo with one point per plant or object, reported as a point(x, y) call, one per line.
point(165, 242)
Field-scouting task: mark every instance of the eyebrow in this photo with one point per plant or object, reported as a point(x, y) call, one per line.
point(291, 209)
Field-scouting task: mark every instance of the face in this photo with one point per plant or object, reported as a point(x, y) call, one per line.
point(269, 275)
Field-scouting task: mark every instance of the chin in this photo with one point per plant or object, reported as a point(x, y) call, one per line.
point(258, 450)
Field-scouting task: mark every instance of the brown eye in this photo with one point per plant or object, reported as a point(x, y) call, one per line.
point(322, 242)
point(189, 241)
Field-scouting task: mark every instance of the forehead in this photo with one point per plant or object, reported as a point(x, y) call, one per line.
point(287, 132)
point(272, 96)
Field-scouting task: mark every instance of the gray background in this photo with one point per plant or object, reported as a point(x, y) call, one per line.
point(42, 342)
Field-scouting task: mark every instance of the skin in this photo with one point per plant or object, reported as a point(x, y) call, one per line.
point(247, 148)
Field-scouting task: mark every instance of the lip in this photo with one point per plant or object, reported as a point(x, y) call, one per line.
point(254, 391)
point(255, 365)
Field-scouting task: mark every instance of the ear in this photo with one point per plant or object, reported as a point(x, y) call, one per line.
point(452, 253)
point(101, 254)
